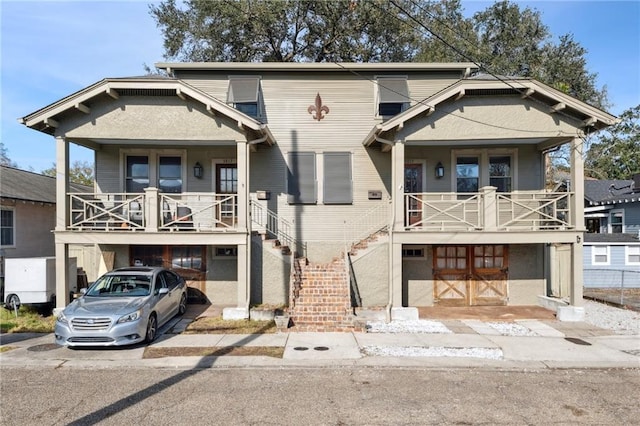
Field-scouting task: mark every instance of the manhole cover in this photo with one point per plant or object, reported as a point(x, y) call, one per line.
point(300, 348)
point(44, 347)
point(577, 341)
point(321, 348)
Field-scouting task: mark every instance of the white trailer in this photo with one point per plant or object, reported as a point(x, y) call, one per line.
point(32, 280)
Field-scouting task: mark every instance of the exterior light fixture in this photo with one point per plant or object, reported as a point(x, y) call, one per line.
point(198, 171)
point(439, 170)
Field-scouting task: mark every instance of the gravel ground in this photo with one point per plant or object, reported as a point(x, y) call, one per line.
point(621, 321)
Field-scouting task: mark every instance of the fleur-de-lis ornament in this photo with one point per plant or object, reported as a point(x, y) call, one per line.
point(318, 109)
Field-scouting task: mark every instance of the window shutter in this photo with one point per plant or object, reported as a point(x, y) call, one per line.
point(301, 178)
point(393, 90)
point(243, 90)
point(337, 178)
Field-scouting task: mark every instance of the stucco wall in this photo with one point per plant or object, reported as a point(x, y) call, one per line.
point(371, 268)
point(526, 274)
point(270, 274)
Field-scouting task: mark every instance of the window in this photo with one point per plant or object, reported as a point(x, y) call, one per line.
point(616, 221)
point(7, 228)
point(477, 168)
point(153, 168)
point(170, 279)
point(412, 252)
point(500, 173)
point(393, 96)
point(170, 174)
point(632, 255)
point(467, 174)
point(301, 178)
point(226, 251)
point(337, 178)
point(244, 95)
point(137, 173)
point(600, 255)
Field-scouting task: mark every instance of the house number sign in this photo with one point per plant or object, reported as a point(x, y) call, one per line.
point(318, 110)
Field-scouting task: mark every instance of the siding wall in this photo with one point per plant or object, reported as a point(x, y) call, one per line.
point(33, 229)
point(617, 274)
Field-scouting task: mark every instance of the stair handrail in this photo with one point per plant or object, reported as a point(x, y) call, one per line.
point(367, 224)
point(278, 227)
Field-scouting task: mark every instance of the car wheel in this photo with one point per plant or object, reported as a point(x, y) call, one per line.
point(152, 328)
point(183, 305)
point(12, 302)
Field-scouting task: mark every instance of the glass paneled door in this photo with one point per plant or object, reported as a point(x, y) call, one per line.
point(413, 185)
point(470, 275)
point(227, 184)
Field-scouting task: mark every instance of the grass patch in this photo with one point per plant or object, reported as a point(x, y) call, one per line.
point(28, 321)
point(216, 325)
point(159, 352)
point(5, 348)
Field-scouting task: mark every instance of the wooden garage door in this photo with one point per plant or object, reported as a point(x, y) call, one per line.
point(470, 275)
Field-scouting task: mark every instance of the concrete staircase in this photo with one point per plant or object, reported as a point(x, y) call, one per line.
point(320, 298)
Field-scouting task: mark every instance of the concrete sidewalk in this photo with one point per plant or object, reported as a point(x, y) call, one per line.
point(471, 343)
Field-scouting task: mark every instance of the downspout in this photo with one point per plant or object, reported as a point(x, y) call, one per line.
point(391, 228)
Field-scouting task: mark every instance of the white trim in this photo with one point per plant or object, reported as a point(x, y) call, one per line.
point(593, 256)
point(13, 225)
point(609, 222)
point(483, 155)
point(154, 160)
point(627, 253)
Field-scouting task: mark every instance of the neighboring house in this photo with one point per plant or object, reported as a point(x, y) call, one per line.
point(28, 209)
point(444, 170)
point(612, 244)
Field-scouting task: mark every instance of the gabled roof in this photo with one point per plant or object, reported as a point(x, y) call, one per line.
point(586, 115)
point(600, 192)
point(22, 185)
point(44, 119)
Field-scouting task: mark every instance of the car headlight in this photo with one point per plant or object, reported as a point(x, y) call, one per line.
point(62, 319)
point(130, 317)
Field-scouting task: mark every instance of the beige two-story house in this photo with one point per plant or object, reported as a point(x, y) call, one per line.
point(408, 184)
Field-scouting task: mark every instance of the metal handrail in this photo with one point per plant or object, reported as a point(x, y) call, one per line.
point(277, 227)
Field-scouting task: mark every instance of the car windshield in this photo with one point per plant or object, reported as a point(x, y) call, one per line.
point(121, 285)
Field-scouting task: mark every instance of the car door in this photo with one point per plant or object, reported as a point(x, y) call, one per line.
point(172, 280)
point(163, 301)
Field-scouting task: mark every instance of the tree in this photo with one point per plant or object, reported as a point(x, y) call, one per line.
point(616, 154)
point(284, 31)
point(80, 172)
point(503, 39)
point(4, 157)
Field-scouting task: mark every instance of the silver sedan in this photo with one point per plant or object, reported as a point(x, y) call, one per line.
point(124, 306)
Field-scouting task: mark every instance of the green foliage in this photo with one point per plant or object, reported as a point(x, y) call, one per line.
point(27, 321)
point(4, 157)
point(616, 155)
point(80, 172)
point(504, 39)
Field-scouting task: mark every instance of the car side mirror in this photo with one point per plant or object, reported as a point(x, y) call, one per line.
point(163, 290)
point(83, 291)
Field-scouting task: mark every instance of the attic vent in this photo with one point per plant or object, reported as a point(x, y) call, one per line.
point(491, 92)
point(146, 92)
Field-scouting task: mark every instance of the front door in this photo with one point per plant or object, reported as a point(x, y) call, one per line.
point(413, 185)
point(227, 184)
point(470, 275)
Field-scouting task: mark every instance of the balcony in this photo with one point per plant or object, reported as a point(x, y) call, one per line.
point(153, 212)
point(489, 211)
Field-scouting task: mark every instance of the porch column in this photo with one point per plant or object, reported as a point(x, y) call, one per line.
point(397, 185)
point(62, 277)
point(575, 312)
point(243, 183)
point(490, 208)
point(151, 209)
point(62, 183)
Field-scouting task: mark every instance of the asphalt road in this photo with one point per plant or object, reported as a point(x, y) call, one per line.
point(323, 396)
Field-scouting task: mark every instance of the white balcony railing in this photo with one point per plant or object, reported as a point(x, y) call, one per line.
point(153, 211)
point(489, 211)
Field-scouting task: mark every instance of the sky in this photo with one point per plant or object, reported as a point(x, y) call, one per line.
point(51, 49)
